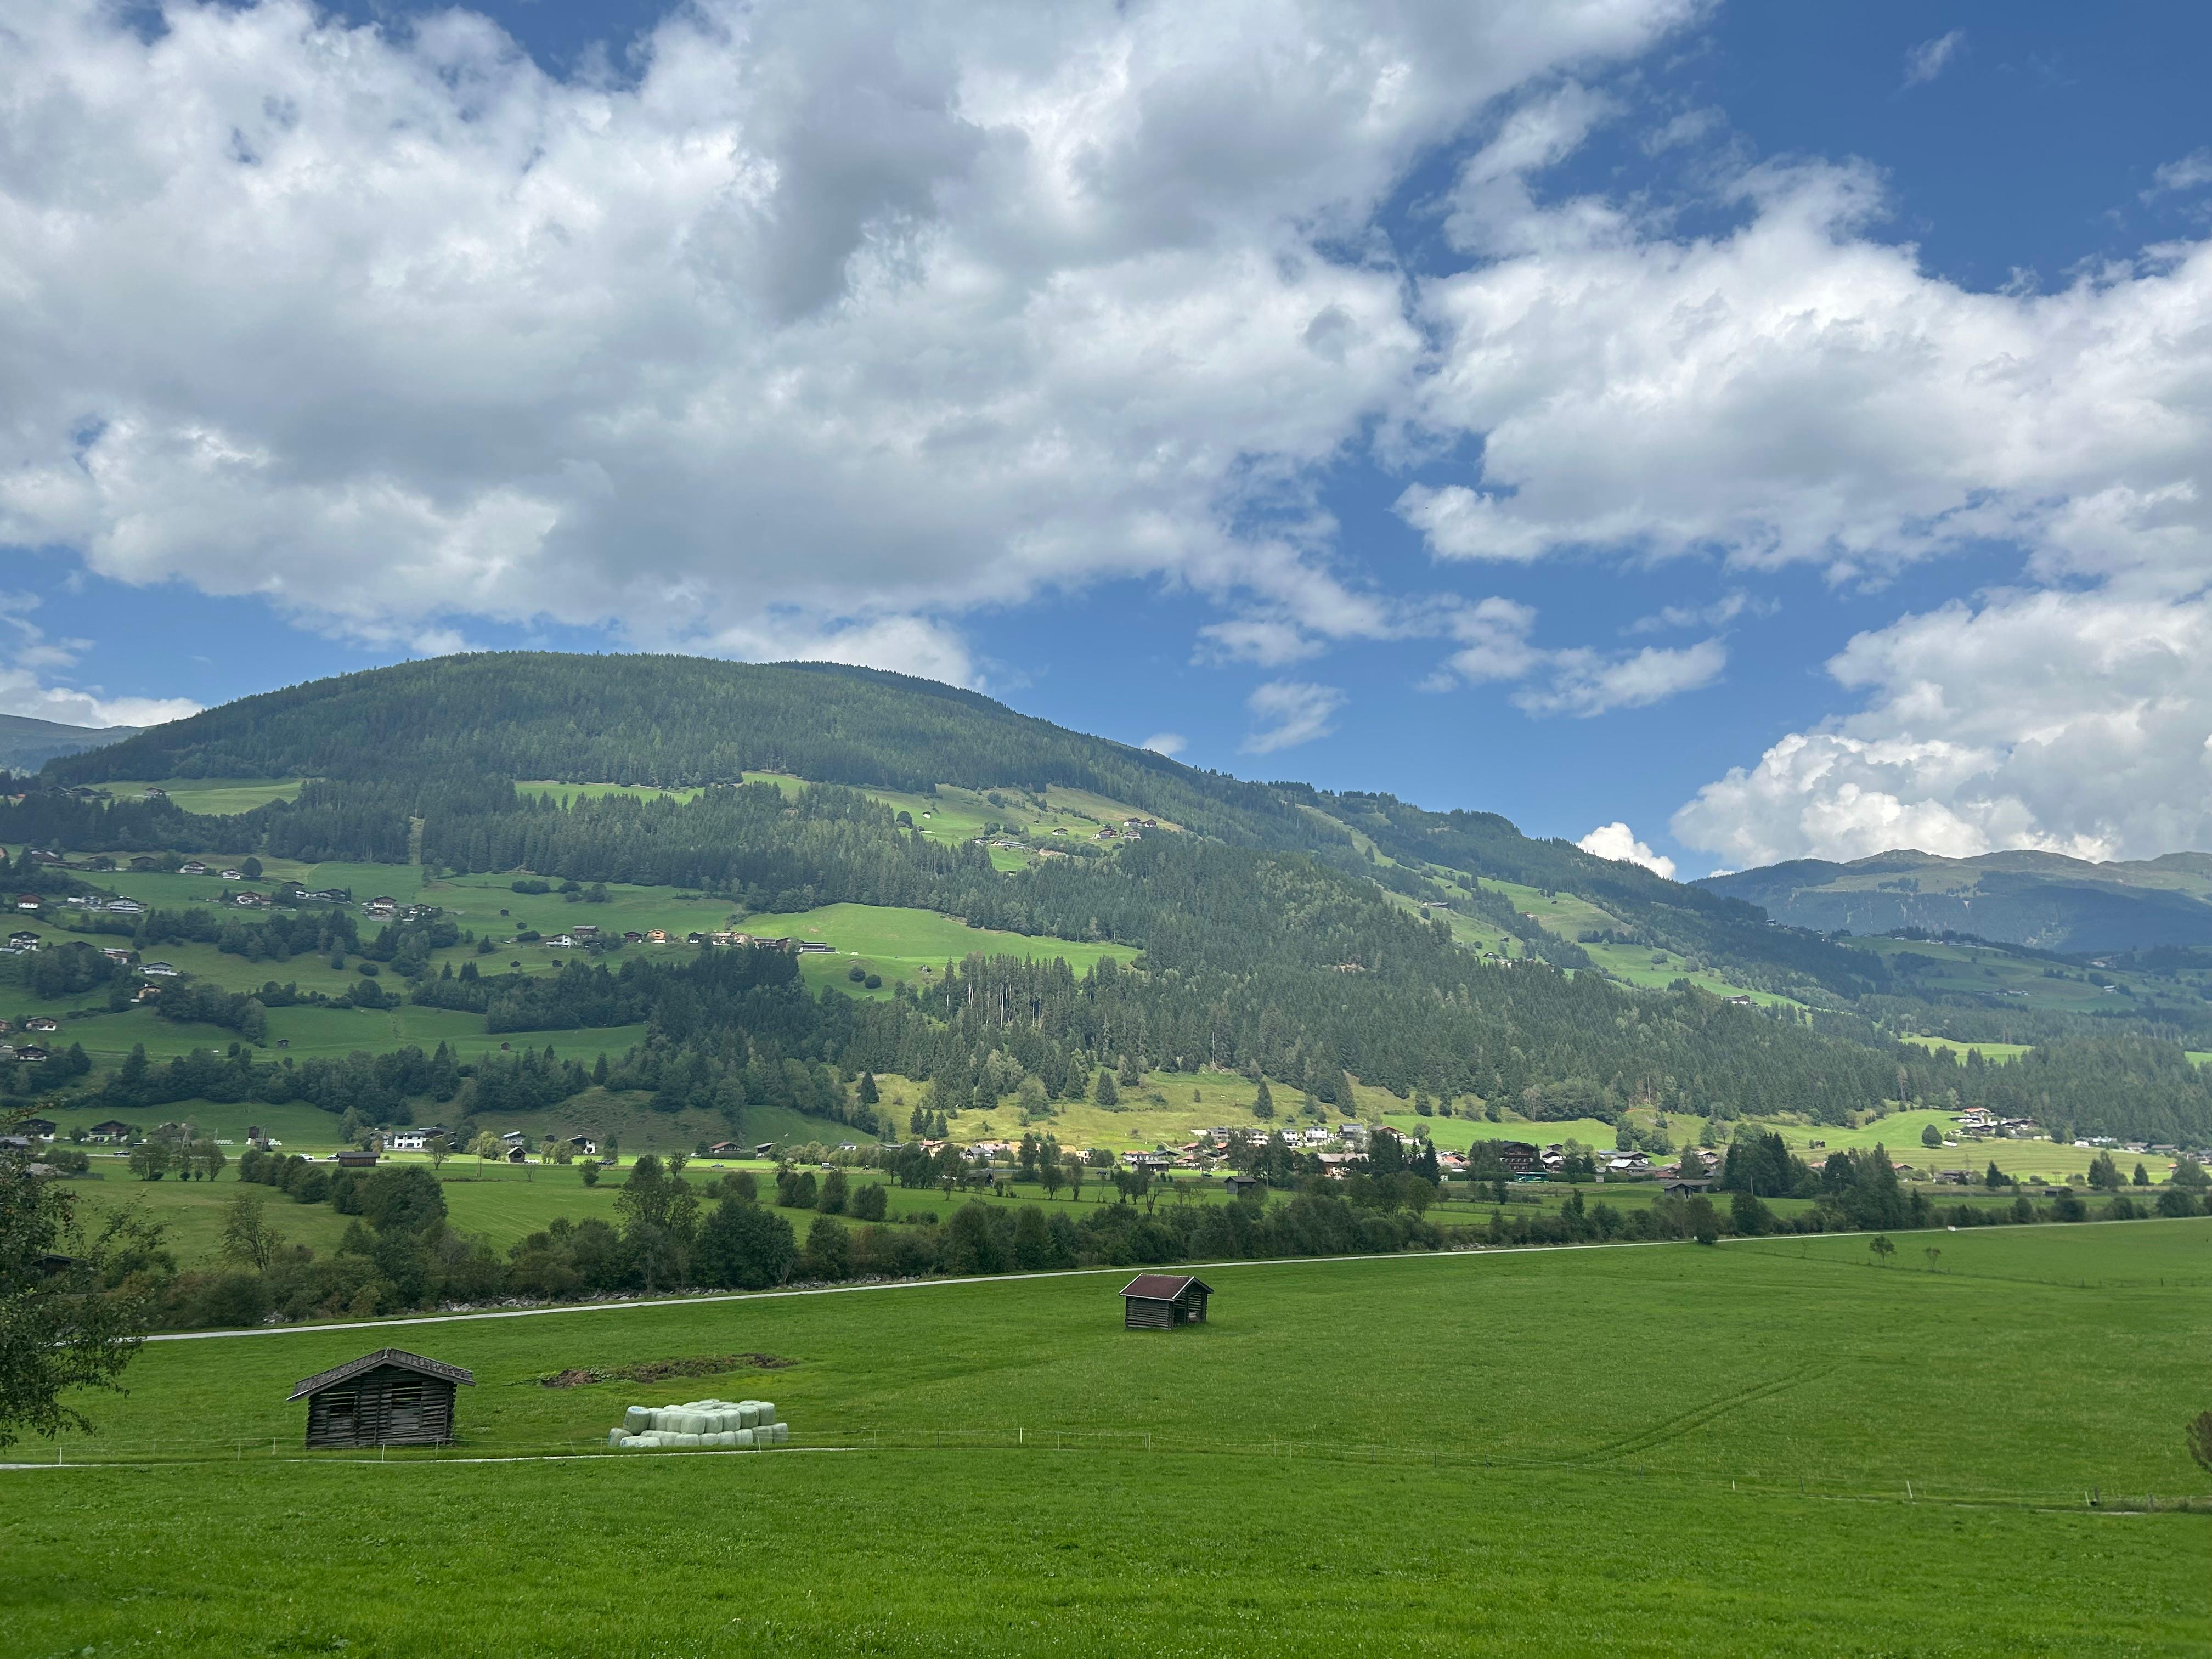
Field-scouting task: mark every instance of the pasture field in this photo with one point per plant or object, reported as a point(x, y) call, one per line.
point(212, 797)
point(1999, 1052)
point(1934, 968)
point(564, 792)
point(1565, 915)
point(1416, 1455)
point(911, 945)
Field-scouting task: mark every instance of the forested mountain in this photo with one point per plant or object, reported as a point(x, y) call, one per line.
point(1274, 935)
point(27, 744)
point(1684, 918)
point(676, 721)
point(2042, 899)
point(440, 740)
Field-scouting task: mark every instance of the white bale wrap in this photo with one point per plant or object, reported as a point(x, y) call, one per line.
point(697, 1423)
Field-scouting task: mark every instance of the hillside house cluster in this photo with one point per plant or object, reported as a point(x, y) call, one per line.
point(1980, 1122)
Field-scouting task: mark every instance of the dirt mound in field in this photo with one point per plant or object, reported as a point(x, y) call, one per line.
point(655, 1370)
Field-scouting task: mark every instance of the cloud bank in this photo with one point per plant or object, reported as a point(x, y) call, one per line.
point(1616, 841)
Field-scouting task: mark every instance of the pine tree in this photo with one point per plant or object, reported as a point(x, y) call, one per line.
point(1107, 1095)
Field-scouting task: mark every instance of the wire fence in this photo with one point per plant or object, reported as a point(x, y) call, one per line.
point(101, 1451)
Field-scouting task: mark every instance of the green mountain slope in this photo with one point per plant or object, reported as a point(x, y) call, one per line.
point(2039, 899)
point(677, 721)
point(27, 744)
point(419, 741)
point(1277, 931)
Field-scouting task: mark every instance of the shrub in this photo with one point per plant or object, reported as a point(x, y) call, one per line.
point(871, 1201)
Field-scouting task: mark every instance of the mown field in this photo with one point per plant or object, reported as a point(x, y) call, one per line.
point(1420, 1454)
point(896, 943)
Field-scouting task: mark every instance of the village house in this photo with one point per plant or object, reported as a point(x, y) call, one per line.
point(656, 936)
point(115, 953)
point(165, 969)
point(191, 867)
point(233, 875)
point(27, 902)
point(383, 905)
point(415, 1139)
point(114, 1129)
point(41, 1023)
point(584, 930)
point(23, 941)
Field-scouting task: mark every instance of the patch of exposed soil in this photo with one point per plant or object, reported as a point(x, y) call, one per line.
point(656, 1370)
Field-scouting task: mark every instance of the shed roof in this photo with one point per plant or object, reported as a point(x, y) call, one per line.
point(369, 1362)
point(1162, 1287)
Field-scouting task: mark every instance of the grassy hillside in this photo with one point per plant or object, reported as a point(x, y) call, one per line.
point(1350, 1456)
point(549, 715)
point(1316, 938)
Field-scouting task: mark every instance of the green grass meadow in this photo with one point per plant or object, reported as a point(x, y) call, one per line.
point(1771, 1446)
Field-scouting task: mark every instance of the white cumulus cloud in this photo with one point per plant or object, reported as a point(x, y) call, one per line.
point(833, 324)
point(2072, 722)
point(1616, 841)
point(31, 664)
point(1289, 713)
point(1166, 742)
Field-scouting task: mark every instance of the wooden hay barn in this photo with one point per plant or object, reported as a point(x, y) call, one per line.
point(1160, 1301)
point(388, 1398)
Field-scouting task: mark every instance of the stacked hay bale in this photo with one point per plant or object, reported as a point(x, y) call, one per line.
point(701, 1424)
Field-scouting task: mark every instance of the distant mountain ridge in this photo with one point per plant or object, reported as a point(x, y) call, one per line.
point(2042, 899)
point(435, 730)
point(27, 744)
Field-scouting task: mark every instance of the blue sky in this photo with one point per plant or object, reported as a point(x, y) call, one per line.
point(1780, 431)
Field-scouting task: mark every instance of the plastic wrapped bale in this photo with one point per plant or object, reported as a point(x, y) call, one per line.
point(782, 1431)
point(743, 1438)
point(637, 1419)
point(748, 1413)
point(767, 1411)
point(616, 1437)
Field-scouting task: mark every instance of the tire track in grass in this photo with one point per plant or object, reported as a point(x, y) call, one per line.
point(1697, 1417)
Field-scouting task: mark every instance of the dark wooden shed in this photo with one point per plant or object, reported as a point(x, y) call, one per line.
point(388, 1398)
point(1158, 1302)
